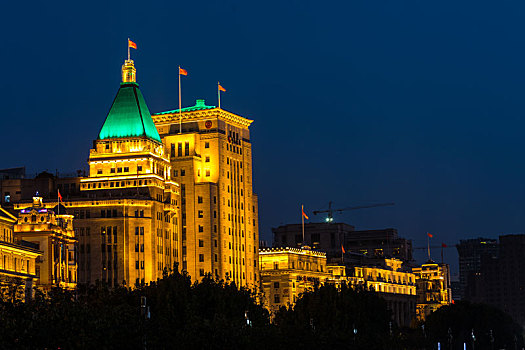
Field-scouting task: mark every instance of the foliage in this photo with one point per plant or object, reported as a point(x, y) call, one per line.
point(327, 317)
point(453, 325)
point(213, 314)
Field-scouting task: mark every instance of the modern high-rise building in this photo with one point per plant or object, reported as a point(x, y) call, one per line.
point(470, 253)
point(211, 157)
point(501, 281)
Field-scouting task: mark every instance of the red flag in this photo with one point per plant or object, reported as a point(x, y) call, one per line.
point(443, 245)
point(302, 210)
point(183, 71)
point(60, 197)
point(132, 44)
point(343, 249)
point(221, 88)
point(429, 235)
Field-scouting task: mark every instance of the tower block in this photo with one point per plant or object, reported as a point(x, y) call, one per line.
point(212, 160)
point(128, 225)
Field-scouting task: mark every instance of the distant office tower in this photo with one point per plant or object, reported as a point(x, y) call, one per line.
point(501, 281)
point(432, 287)
point(211, 158)
point(470, 253)
point(330, 237)
point(379, 243)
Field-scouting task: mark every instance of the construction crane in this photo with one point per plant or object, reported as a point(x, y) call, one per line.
point(330, 211)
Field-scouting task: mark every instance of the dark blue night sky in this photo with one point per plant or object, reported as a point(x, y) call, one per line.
point(358, 102)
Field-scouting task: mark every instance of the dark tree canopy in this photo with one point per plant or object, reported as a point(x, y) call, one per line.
point(453, 325)
point(327, 317)
point(213, 314)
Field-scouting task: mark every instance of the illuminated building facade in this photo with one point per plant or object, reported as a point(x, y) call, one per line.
point(288, 272)
point(17, 261)
point(128, 228)
point(51, 233)
point(211, 157)
point(393, 283)
point(126, 208)
point(433, 288)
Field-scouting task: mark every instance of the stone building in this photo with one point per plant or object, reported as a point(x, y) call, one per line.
point(211, 158)
point(50, 232)
point(433, 287)
point(17, 259)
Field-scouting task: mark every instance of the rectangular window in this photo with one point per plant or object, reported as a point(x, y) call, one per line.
point(179, 149)
point(207, 160)
point(199, 199)
point(201, 272)
point(112, 170)
point(201, 228)
point(201, 243)
point(139, 168)
point(206, 145)
point(276, 285)
point(182, 172)
point(276, 299)
point(201, 214)
point(201, 257)
point(173, 150)
point(186, 149)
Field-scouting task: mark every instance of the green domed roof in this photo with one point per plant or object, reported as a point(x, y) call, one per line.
point(129, 116)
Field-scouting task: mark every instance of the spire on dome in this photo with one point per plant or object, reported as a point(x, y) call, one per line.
point(129, 73)
point(129, 115)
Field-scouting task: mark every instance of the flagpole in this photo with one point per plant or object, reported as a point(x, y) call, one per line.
point(180, 106)
point(128, 50)
point(302, 218)
point(428, 246)
point(219, 93)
